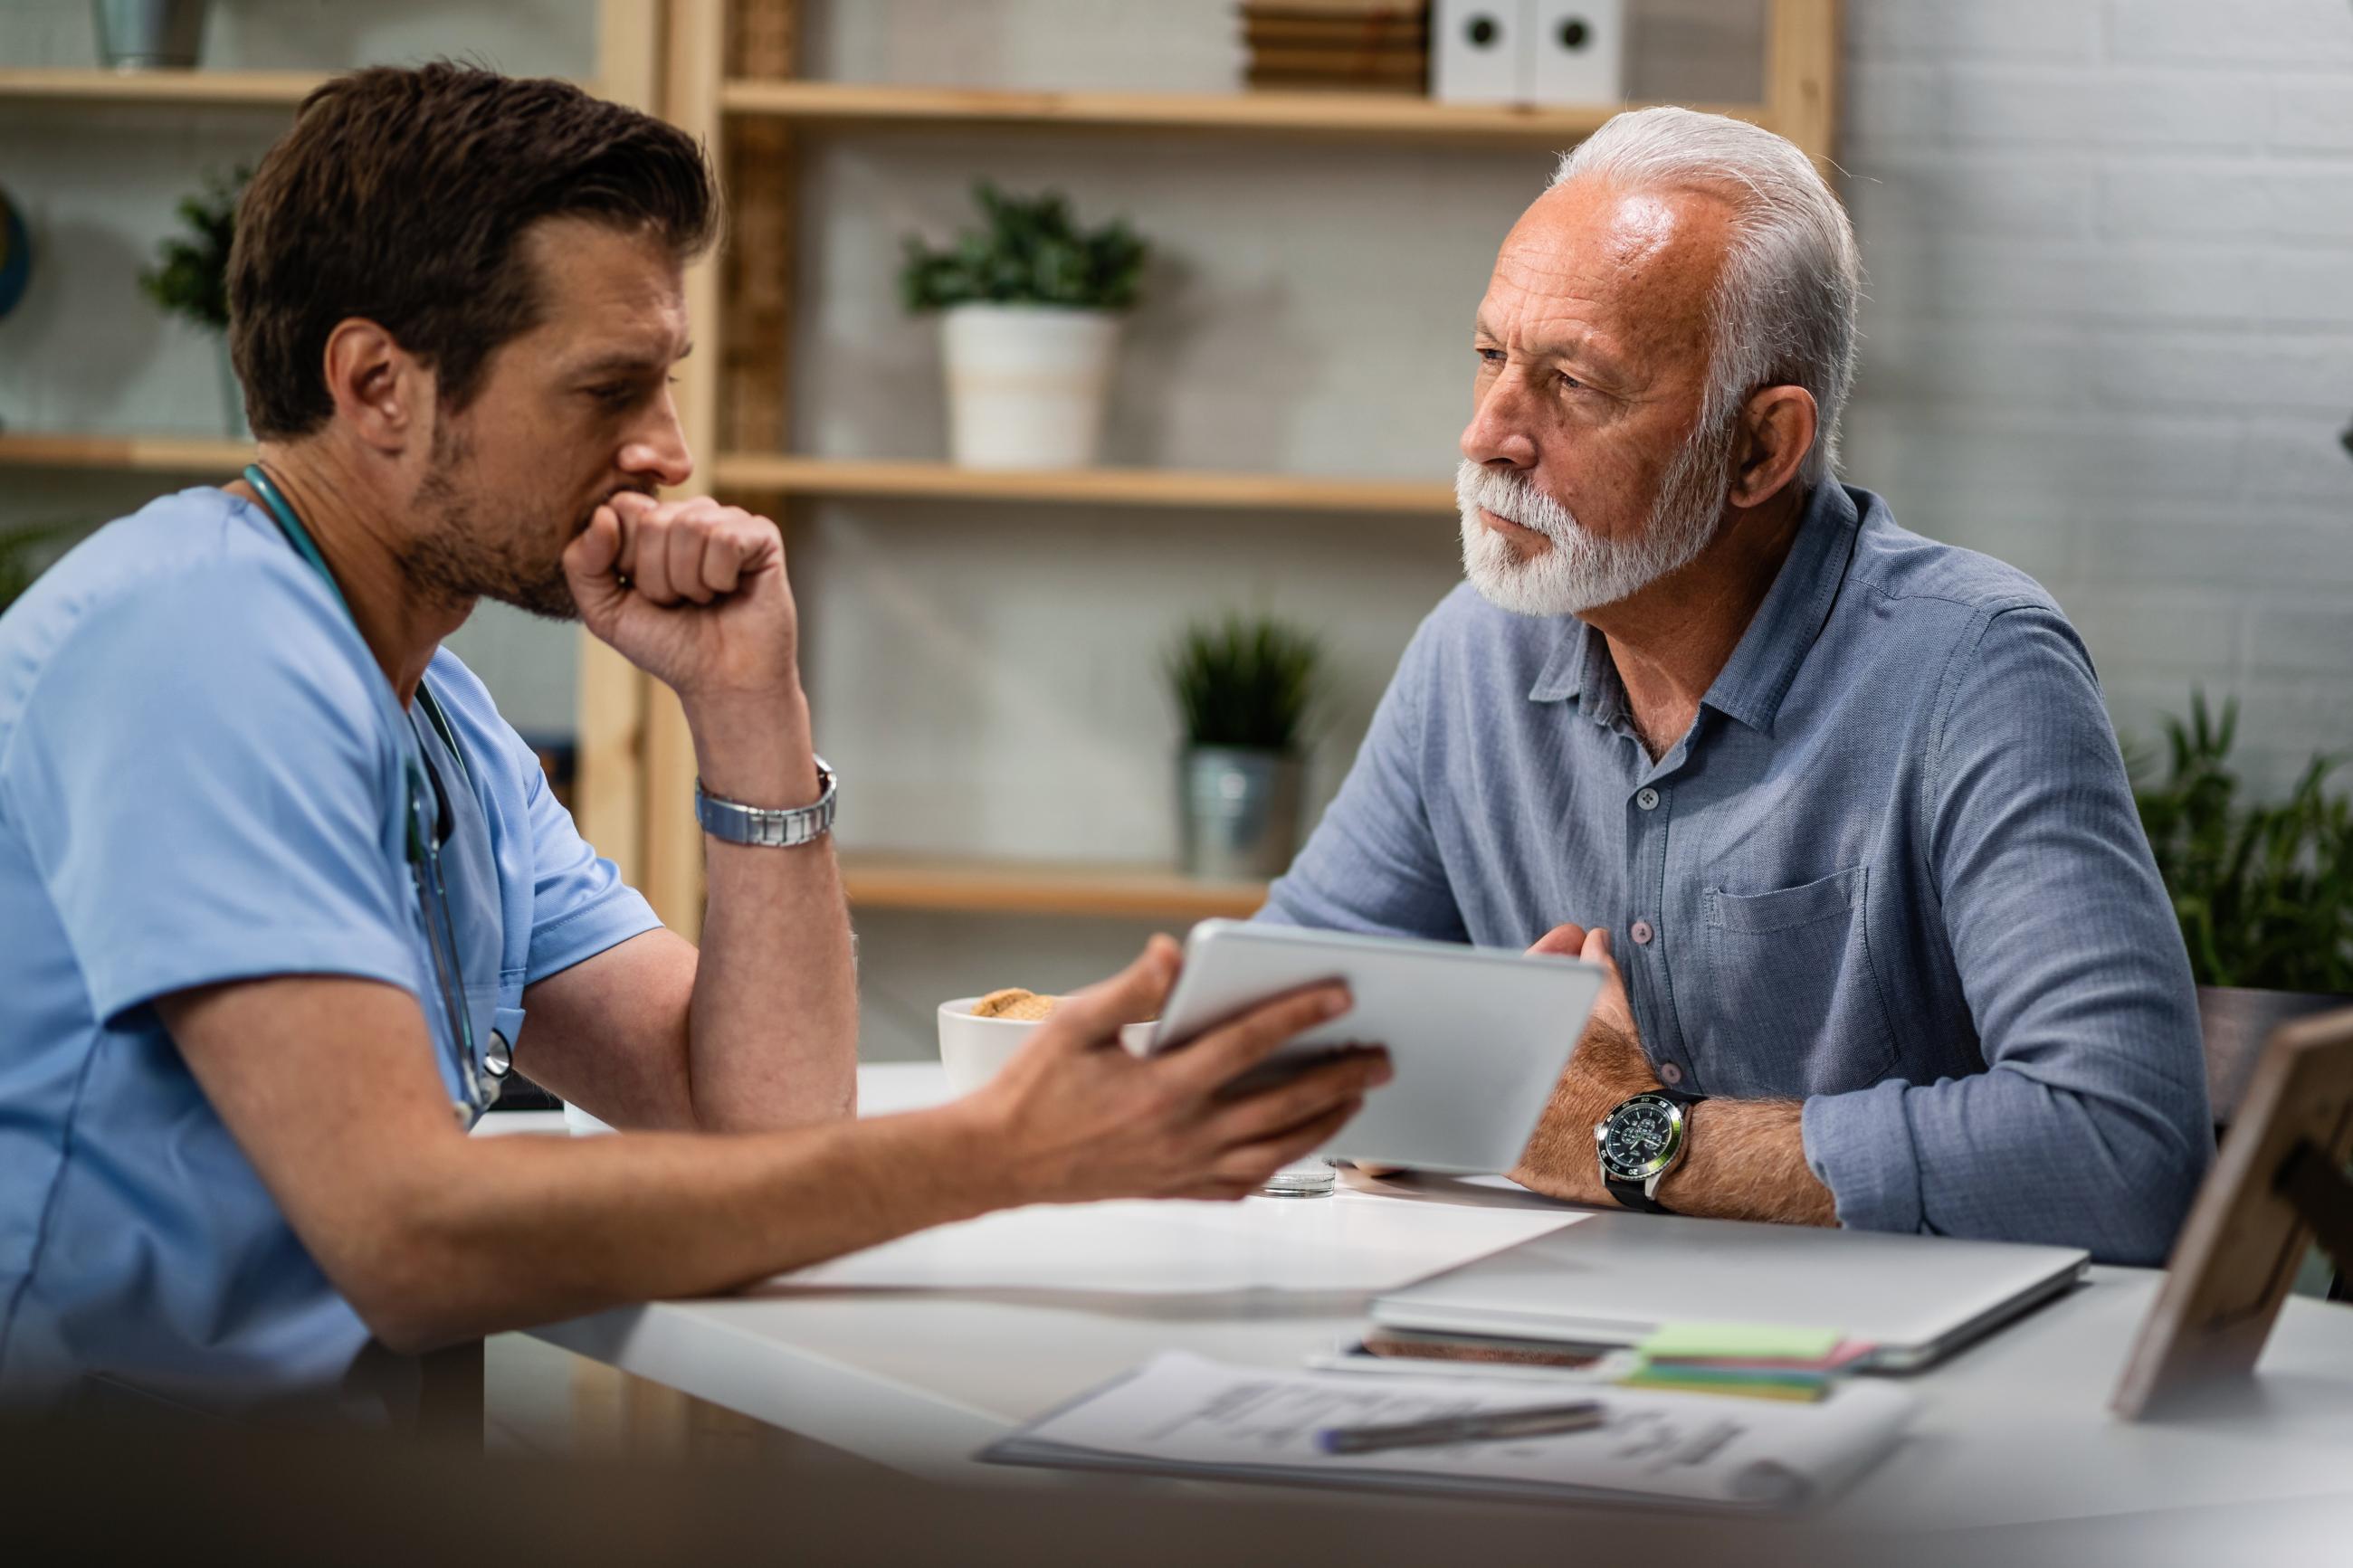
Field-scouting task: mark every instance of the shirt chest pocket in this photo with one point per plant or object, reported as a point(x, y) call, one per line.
point(1796, 1005)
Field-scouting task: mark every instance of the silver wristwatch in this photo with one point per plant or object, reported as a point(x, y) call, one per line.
point(736, 823)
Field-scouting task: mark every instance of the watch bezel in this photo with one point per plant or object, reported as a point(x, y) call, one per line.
point(1678, 1131)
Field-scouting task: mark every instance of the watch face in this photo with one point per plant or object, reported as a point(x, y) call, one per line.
point(1640, 1137)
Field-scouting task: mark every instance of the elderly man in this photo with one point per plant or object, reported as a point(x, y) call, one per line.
point(1894, 952)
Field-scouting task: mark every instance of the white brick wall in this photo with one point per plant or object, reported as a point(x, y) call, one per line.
point(2110, 335)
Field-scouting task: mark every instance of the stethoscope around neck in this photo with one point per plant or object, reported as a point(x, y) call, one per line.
point(426, 813)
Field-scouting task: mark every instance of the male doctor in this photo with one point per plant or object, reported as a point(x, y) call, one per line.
point(280, 889)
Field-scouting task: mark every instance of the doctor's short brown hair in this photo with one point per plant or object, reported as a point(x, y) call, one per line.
point(401, 195)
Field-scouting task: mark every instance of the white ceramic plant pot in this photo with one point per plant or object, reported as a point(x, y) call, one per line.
point(1026, 383)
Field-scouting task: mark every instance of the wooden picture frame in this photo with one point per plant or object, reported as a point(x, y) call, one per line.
point(2279, 1180)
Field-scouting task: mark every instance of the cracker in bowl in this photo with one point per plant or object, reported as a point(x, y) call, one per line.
point(1015, 1003)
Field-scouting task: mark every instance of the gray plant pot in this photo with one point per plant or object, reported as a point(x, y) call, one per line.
point(1238, 812)
point(150, 35)
point(2236, 1020)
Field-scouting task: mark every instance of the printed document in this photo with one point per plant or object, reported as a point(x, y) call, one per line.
point(1185, 1415)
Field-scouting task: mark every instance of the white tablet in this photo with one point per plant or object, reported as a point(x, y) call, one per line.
point(1478, 1036)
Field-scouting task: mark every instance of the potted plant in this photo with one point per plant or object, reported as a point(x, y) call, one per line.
point(2263, 892)
point(1244, 688)
point(190, 278)
point(150, 35)
point(19, 548)
point(1031, 312)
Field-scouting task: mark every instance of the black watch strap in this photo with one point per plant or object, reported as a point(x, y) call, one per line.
point(1629, 1194)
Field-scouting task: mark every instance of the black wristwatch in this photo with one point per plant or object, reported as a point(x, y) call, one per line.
point(1639, 1141)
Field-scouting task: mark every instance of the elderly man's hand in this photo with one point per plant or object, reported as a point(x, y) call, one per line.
point(1607, 1067)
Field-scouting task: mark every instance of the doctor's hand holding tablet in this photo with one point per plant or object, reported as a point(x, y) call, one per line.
point(1475, 1039)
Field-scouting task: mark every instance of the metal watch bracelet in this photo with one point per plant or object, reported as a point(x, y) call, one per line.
point(768, 828)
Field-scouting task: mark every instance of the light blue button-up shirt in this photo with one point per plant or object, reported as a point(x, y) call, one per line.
point(1893, 870)
point(201, 781)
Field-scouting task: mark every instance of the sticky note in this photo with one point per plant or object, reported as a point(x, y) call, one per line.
point(1803, 1392)
point(1740, 1342)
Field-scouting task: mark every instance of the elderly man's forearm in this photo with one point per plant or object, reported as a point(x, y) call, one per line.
point(1747, 1161)
point(774, 1026)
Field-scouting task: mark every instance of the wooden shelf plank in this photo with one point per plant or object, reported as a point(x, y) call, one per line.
point(763, 474)
point(130, 454)
point(225, 88)
point(1381, 116)
point(882, 881)
point(258, 89)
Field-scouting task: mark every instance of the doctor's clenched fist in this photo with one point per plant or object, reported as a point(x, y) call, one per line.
point(690, 591)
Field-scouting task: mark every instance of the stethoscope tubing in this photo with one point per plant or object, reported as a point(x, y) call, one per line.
point(424, 836)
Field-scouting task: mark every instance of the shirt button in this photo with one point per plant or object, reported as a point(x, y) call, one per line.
point(1648, 799)
point(1642, 932)
point(1669, 1074)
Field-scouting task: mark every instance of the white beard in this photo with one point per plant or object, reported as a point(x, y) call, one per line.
point(1582, 571)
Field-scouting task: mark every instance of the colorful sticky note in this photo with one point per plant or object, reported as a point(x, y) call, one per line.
point(1739, 1342)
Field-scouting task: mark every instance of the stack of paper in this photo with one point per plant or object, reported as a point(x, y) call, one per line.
point(1758, 1361)
point(1184, 1414)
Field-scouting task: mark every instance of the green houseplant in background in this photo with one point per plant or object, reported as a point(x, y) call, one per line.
point(190, 278)
point(2264, 891)
point(21, 549)
point(1245, 688)
point(1030, 310)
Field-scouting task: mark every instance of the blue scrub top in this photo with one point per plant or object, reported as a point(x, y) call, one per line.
point(201, 780)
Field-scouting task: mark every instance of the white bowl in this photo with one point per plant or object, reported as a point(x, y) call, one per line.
point(973, 1049)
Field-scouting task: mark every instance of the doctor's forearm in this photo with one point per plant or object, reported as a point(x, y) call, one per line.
point(773, 1035)
point(504, 1233)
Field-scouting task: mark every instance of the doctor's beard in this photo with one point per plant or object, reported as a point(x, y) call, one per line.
point(1583, 571)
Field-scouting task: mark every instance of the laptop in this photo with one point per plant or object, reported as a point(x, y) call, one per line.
point(1611, 1279)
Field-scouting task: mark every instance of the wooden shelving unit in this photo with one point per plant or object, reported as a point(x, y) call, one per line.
point(732, 77)
point(726, 71)
point(171, 88)
point(127, 454)
point(762, 474)
point(251, 90)
point(1385, 116)
point(1041, 887)
point(758, 474)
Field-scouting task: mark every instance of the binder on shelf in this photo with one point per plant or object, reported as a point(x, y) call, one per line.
point(1476, 54)
point(1577, 52)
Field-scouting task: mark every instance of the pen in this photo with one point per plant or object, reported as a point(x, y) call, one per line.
point(1533, 1421)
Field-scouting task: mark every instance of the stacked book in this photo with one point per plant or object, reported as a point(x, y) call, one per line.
point(1350, 45)
point(1754, 1361)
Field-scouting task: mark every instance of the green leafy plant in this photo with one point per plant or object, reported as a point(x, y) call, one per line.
point(1243, 681)
point(1030, 253)
point(2264, 892)
point(20, 562)
point(190, 277)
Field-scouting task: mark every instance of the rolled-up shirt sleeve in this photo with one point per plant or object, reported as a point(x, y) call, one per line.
point(2090, 1125)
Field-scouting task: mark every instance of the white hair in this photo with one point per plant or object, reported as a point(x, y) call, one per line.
point(1784, 311)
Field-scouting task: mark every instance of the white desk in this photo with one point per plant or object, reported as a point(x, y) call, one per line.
point(2013, 1430)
